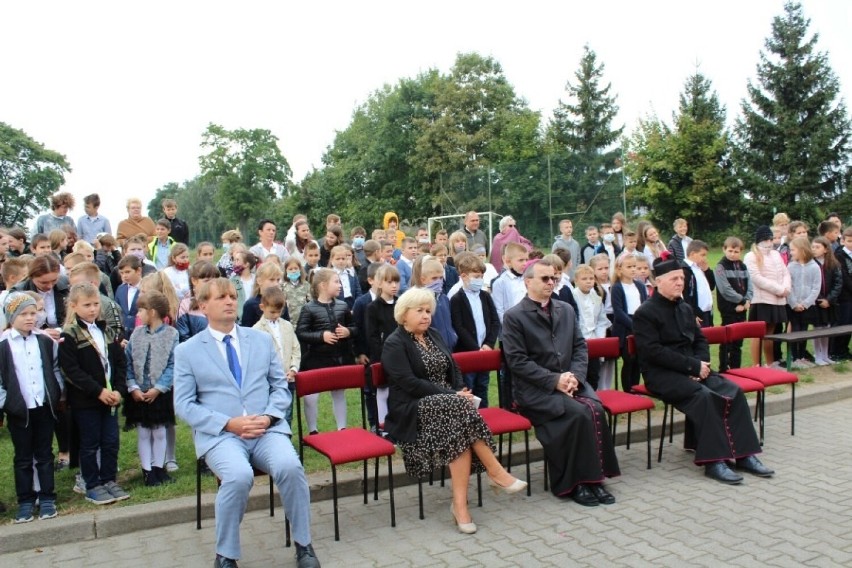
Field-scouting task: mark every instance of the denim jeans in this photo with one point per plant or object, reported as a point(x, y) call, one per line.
point(98, 430)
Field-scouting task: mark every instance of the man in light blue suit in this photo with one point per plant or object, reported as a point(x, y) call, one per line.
point(231, 389)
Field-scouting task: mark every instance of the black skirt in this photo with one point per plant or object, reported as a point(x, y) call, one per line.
point(770, 313)
point(161, 412)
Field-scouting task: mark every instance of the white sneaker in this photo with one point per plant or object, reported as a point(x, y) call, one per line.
point(806, 363)
point(829, 361)
point(820, 362)
point(777, 365)
point(172, 466)
point(79, 484)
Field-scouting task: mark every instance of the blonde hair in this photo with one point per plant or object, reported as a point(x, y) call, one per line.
point(554, 261)
point(159, 282)
point(425, 265)
point(81, 246)
point(803, 245)
point(620, 260)
point(267, 271)
point(583, 270)
point(56, 236)
point(77, 293)
point(412, 298)
point(177, 250)
point(597, 259)
point(134, 201)
point(232, 236)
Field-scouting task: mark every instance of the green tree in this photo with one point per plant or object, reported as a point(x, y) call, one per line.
point(29, 175)
point(424, 145)
point(793, 138)
point(249, 170)
point(168, 191)
point(684, 170)
point(581, 134)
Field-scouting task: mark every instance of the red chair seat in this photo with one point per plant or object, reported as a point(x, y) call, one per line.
point(745, 384)
point(501, 421)
point(767, 377)
point(641, 389)
point(350, 445)
point(619, 402)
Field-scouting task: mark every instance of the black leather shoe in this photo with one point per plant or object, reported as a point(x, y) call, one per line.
point(222, 562)
point(584, 496)
point(721, 472)
point(306, 557)
point(603, 496)
point(754, 466)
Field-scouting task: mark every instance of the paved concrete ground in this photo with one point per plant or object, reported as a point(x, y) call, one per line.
point(668, 516)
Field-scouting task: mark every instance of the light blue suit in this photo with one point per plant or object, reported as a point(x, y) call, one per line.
point(206, 396)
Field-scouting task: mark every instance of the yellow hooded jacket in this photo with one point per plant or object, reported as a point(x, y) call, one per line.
point(390, 215)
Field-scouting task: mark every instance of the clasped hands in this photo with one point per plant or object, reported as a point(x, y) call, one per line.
point(332, 337)
point(568, 383)
point(705, 371)
point(248, 427)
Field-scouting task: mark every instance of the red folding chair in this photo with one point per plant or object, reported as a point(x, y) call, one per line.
point(768, 377)
point(343, 446)
point(617, 402)
point(718, 335)
point(499, 420)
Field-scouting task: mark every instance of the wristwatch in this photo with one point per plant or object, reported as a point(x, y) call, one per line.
point(272, 420)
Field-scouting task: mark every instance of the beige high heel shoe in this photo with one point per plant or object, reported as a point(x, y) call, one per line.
point(464, 528)
point(515, 487)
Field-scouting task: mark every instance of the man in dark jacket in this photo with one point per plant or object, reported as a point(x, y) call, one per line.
point(546, 354)
point(675, 361)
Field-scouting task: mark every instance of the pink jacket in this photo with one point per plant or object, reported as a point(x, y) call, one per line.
point(772, 283)
point(501, 240)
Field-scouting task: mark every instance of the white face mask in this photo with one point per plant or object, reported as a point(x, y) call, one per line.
point(609, 237)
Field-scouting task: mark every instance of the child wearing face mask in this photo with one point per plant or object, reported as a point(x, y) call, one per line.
point(243, 265)
point(609, 246)
point(178, 269)
point(359, 237)
point(475, 319)
point(428, 273)
point(296, 287)
point(771, 286)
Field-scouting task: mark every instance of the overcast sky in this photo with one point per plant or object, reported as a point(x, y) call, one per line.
point(125, 89)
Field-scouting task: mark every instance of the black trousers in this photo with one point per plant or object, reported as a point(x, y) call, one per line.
point(32, 439)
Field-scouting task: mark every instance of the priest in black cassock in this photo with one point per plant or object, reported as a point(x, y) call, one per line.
point(547, 358)
point(675, 361)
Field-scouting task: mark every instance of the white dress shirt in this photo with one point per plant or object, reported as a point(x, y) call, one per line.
point(28, 367)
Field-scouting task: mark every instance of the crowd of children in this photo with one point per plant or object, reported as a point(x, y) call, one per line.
point(100, 324)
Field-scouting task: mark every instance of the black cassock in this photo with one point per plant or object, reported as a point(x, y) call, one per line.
point(539, 345)
point(671, 347)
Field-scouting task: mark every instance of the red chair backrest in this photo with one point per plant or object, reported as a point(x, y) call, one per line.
point(329, 379)
point(631, 345)
point(745, 330)
point(607, 347)
point(377, 375)
point(478, 361)
point(715, 335)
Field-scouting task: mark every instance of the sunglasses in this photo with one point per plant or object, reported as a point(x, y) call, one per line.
point(547, 279)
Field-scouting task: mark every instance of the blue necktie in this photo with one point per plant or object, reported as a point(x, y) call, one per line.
point(233, 361)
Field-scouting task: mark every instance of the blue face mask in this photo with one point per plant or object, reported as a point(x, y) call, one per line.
point(226, 247)
point(437, 286)
point(294, 276)
point(358, 242)
point(475, 285)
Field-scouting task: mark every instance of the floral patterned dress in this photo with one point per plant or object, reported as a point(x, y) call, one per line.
point(447, 424)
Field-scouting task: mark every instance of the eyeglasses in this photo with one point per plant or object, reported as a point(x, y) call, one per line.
point(547, 279)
